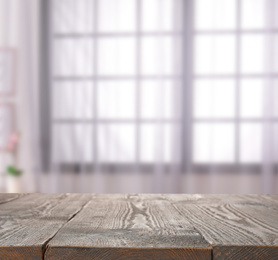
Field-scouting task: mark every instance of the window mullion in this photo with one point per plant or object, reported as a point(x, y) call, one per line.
point(95, 87)
point(46, 83)
point(138, 82)
point(187, 70)
point(237, 84)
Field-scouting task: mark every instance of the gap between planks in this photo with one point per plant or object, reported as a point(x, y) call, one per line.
point(45, 245)
point(215, 250)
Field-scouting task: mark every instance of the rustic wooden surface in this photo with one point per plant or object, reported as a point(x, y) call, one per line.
point(138, 226)
point(141, 225)
point(6, 197)
point(237, 227)
point(29, 222)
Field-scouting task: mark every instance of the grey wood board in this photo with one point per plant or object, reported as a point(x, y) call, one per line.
point(6, 197)
point(113, 224)
point(28, 223)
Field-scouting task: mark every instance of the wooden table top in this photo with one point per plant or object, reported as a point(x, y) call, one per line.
point(138, 226)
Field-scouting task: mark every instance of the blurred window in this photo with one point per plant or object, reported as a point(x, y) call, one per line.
point(115, 80)
point(234, 46)
point(123, 72)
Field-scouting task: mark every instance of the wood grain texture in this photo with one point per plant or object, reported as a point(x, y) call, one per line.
point(128, 227)
point(217, 199)
point(6, 197)
point(234, 225)
point(138, 226)
point(245, 252)
point(28, 223)
point(128, 253)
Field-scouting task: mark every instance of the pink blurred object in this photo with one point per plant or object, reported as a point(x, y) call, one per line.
point(12, 142)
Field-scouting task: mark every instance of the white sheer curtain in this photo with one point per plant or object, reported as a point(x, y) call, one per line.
point(236, 87)
point(150, 95)
point(115, 88)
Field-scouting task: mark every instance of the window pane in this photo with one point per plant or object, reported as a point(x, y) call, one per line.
point(252, 53)
point(116, 15)
point(7, 65)
point(275, 11)
point(160, 99)
point(116, 99)
point(215, 14)
point(73, 57)
point(72, 143)
point(6, 124)
point(158, 142)
point(275, 142)
point(214, 54)
point(251, 93)
point(250, 142)
point(73, 16)
point(116, 143)
point(159, 55)
point(275, 98)
point(274, 51)
point(214, 143)
point(157, 15)
point(253, 14)
point(116, 56)
point(73, 100)
point(214, 98)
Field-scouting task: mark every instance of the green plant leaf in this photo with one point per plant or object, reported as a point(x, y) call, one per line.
point(12, 170)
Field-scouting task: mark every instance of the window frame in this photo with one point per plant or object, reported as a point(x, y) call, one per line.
point(187, 118)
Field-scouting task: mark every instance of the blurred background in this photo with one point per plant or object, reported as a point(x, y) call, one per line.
point(139, 96)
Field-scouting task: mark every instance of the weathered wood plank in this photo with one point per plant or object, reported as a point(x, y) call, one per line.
point(26, 224)
point(250, 199)
point(145, 226)
point(128, 253)
point(128, 227)
point(245, 252)
point(235, 227)
point(6, 197)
